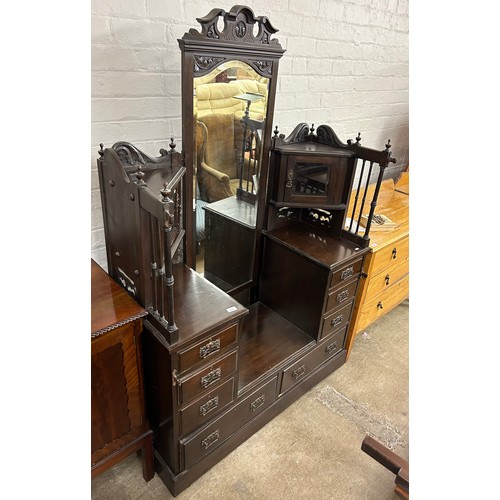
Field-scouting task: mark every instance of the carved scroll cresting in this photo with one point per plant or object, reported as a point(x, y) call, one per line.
point(239, 25)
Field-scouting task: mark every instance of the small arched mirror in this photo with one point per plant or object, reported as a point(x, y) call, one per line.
point(229, 74)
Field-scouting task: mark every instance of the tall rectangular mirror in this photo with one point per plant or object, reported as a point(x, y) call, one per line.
point(229, 72)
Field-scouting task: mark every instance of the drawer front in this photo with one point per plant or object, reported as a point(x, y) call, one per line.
point(301, 369)
point(205, 408)
point(385, 279)
point(336, 320)
point(208, 348)
point(209, 438)
point(340, 296)
point(383, 303)
point(207, 379)
point(388, 258)
point(346, 273)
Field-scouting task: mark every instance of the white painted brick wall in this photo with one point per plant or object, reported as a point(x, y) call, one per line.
point(346, 65)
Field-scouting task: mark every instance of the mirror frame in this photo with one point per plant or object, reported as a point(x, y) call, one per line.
point(201, 52)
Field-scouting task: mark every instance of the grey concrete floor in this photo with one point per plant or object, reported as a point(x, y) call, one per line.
point(312, 450)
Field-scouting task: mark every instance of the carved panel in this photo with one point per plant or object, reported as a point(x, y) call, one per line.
point(239, 25)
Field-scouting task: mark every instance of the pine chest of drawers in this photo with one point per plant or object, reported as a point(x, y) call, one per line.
point(385, 282)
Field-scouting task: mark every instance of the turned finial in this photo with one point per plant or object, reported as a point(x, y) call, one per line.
point(166, 192)
point(312, 128)
point(172, 144)
point(388, 145)
point(276, 131)
point(358, 138)
point(139, 175)
point(101, 151)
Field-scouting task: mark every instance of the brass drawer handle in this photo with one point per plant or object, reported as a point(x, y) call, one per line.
point(394, 252)
point(211, 377)
point(380, 305)
point(210, 439)
point(299, 372)
point(336, 321)
point(342, 296)
point(210, 348)
point(258, 402)
point(331, 347)
point(209, 406)
point(347, 273)
point(387, 279)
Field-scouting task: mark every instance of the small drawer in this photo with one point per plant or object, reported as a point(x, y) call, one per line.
point(207, 348)
point(346, 273)
point(391, 256)
point(214, 434)
point(340, 296)
point(205, 408)
point(206, 379)
point(336, 320)
point(302, 368)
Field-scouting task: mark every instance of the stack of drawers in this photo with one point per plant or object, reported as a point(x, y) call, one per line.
point(206, 378)
point(387, 281)
point(207, 390)
point(386, 268)
point(338, 305)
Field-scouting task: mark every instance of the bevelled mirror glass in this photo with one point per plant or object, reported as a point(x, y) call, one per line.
point(229, 110)
point(229, 82)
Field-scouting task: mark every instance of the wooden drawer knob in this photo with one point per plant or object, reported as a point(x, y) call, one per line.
point(380, 305)
point(387, 279)
point(394, 252)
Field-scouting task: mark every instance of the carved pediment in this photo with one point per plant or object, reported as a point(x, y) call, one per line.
point(239, 26)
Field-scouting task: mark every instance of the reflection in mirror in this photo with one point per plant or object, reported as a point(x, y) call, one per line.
point(230, 105)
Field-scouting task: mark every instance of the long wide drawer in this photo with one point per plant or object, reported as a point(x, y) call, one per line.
point(383, 303)
point(207, 348)
point(200, 411)
point(301, 368)
point(214, 434)
point(206, 379)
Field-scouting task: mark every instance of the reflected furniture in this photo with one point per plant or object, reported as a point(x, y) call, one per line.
point(229, 245)
point(385, 282)
point(119, 423)
point(222, 361)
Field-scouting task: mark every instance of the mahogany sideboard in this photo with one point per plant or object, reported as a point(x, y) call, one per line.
point(119, 425)
point(385, 282)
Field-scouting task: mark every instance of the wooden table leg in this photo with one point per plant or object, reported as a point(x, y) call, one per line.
point(148, 469)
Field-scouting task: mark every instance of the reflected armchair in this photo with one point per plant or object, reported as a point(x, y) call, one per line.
point(218, 140)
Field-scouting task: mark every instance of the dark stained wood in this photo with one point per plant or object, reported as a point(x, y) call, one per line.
point(267, 341)
point(258, 359)
point(200, 305)
point(204, 50)
point(390, 461)
point(326, 250)
point(229, 243)
point(119, 424)
point(178, 483)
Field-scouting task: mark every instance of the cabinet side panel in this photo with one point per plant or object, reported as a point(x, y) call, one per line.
point(158, 392)
point(293, 286)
